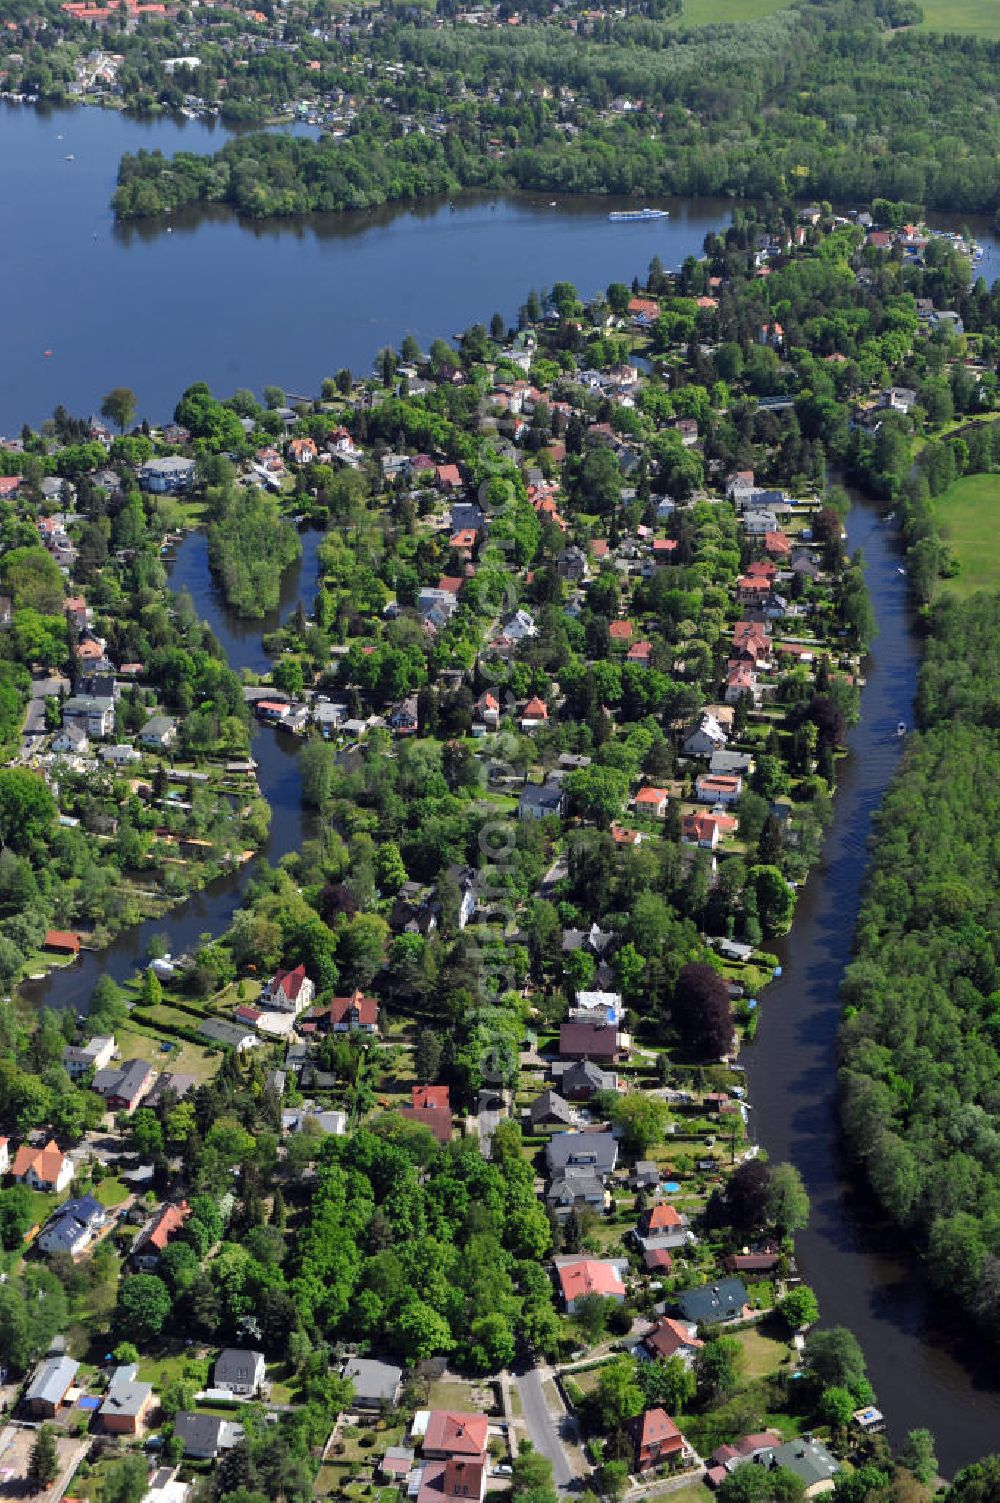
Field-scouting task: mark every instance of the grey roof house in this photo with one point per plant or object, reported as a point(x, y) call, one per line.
point(538, 801)
point(168, 475)
point(572, 1187)
point(596, 1151)
point(49, 1386)
point(239, 1371)
point(810, 1460)
point(159, 731)
point(204, 1436)
point(375, 1383)
point(550, 1108)
point(712, 1303)
point(73, 1226)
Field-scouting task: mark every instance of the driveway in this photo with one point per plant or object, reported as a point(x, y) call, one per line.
point(548, 1432)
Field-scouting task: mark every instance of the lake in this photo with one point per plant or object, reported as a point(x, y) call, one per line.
point(283, 302)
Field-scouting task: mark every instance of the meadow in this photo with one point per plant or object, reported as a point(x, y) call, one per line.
point(715, 12)
point(968, 514)
point(979, 18)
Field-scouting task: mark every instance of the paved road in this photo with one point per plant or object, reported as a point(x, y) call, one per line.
point(544, 1429)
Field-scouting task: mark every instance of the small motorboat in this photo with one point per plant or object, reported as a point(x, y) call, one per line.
point(47, 354)
point(900, 570)
point(71, 157)
point(900, 727)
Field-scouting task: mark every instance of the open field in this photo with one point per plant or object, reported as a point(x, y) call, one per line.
point(714, 12)
point(969, 514)
point(763, 1352)
point(979, 18)
point(185, 1059)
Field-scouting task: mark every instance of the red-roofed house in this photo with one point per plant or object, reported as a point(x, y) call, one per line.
point(672, 1338)
point(640, 652)
point(741, 680)
point(432, 1097)
point(302, 450)
point(452, 1433)
point(450, 583)
point(46, 1168)
point(590, 1276)
point(464, 539)
point(620, 631)
point(354, 1014)
point(745, 1449)
point(752, 589)
point(488, 709)
point(62, 941)
point(777, 545)
point(448, 477)
point(155, 1236)
point(534, 714)
point(656, 1439)
point(661, 1218)
point(458, 1477)
point(289, 991)
point(652, 801)
point(664, 549)
point(78, 611)
point(706, 830)
point(439, 1121)
point(643, 310)
point(718, 788)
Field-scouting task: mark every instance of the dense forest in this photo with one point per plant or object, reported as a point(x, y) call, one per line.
point(825, 100)
point(921, 1036)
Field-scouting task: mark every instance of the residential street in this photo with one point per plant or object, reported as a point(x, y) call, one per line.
point(547, 1433)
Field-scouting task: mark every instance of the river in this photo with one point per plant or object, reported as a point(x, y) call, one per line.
point(923, 1371)
point(287, 302)
point(210, 911)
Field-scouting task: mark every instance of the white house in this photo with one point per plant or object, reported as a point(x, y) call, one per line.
point(72, 739)
point(520, 626)
point(718, 788)
point(96, 1054)
point(706, 738)
point(289, 991)
point(47, 1168)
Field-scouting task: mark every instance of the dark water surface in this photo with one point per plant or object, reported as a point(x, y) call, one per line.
point(922, 1370)
point(284, 302)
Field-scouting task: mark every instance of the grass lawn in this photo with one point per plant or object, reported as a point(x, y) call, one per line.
point(450, 1393)
point(968, 513)
point(712, 12)
point(184, 1058)
point(695, 1493)
point(976, 17)
point(111, 1192)
point(763, 1353)
point(161, 1371)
